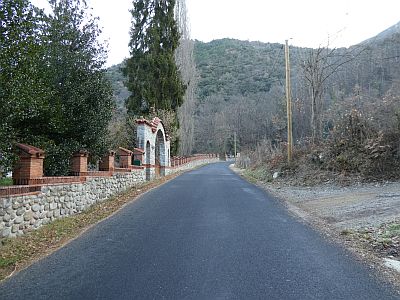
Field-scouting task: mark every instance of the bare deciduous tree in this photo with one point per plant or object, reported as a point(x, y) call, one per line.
point(319, 65)
point(185, 61)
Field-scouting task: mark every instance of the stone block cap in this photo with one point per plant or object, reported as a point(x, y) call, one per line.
point(124, 152)
point(29, 150)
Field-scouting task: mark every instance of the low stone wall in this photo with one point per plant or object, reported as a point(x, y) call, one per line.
point(20, 213)
point(30, 211)
point(190, 165)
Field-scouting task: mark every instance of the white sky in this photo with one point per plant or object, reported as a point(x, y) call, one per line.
point(308, 22)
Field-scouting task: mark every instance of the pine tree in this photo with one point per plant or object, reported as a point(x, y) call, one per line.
point(152, 74)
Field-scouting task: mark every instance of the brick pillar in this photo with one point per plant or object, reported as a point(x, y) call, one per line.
point(107, 162)
point(79, 162)
point(125, 157)
point(29, 165)
point(138, 155)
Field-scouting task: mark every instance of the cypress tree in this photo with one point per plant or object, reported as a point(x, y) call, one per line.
point(152, 74)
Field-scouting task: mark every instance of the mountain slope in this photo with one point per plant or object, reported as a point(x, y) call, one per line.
point(232, 67)
point(386, 34)
point(241, 87)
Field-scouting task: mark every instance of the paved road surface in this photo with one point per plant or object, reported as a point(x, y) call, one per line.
point(207, 234)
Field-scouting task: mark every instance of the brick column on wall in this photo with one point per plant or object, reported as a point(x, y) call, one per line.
point(138, 155)
point(29, 165)
point(125, 156)
point(79, 162)
point(107, 162)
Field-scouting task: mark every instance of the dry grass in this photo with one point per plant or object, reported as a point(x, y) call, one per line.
point(384, 240)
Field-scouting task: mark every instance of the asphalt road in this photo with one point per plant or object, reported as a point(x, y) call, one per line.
point(207, 234)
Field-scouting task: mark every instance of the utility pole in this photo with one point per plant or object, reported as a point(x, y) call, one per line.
point(289, 105)
point(234, 143)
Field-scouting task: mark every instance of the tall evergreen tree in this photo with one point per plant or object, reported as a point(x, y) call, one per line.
point(152, 74)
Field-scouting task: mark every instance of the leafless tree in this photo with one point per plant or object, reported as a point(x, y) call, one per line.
point(319, 65)
point(185, 61)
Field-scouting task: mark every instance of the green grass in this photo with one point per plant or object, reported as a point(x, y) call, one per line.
point(392, 231)
point(346, 232)
point(259, 174)
point(5, 262)
point(6, 181)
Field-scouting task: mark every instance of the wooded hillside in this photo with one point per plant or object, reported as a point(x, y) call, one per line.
point(241, 89)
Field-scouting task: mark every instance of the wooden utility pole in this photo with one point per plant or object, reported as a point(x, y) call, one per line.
point(289, 104)
point(234, 142)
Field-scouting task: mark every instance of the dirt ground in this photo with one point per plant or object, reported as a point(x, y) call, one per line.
point(364, 218)
point(350, 207)
point(345, 208)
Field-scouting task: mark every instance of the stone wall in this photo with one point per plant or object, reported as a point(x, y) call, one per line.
point(24, 212)
point(20, 213)
point(191, 165)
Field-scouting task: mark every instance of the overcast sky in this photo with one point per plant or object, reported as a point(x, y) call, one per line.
point(307, 22)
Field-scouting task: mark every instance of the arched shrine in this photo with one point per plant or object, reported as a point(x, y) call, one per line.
point(154, 141)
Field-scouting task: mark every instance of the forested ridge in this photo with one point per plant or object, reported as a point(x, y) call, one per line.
point(232, 67)
point(227, 67)
point(241, 88)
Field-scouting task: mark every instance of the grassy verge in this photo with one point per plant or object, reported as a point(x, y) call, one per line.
point(17, 253)
point(258, 174)
point(384, 240)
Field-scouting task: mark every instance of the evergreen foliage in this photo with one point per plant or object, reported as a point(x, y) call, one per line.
point(53, 87)
point(21, 87)
point(241, 89)
point(152, 74)
point(121, 93)
point(237, 68)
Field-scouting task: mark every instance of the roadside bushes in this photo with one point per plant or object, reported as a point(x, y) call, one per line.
point(357, 146)
point(360, 141)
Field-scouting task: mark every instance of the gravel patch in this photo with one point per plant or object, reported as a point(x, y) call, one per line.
point(350, 207)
